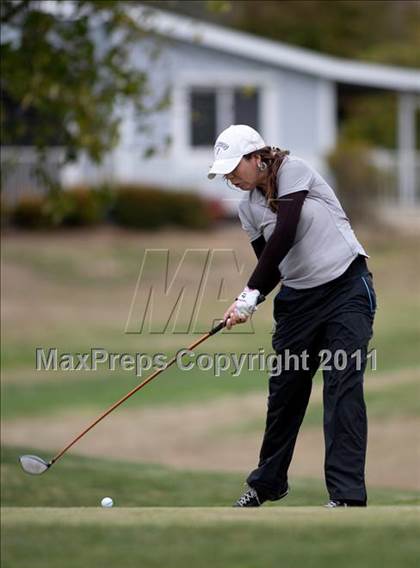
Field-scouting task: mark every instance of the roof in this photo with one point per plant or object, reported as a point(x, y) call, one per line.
point(271, 52)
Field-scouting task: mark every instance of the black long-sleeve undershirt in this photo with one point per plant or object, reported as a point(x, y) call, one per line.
point(270, 254)
point(258, 245)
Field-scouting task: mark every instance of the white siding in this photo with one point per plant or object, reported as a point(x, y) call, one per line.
point(293, 108)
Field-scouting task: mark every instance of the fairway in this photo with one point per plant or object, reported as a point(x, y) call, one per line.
point(175, 518)
point(402, 515)
point(294, 536)
point(174, 458)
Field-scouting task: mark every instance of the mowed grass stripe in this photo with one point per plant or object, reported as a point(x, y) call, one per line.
point(402, 515)
point(204, 538)
point(173, 386)
point(82, 482)
point(396, 337)
point(177, 387)
point(386, 402)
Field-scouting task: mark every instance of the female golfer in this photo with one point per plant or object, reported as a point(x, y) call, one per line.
point(324, 311)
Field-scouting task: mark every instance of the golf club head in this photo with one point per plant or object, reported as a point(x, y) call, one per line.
point(33, 464)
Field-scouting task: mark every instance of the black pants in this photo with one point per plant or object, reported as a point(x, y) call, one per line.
point(337, 317)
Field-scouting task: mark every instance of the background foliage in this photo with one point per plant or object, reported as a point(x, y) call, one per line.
point(383, 31)
point(378, 31)
point(60, 85)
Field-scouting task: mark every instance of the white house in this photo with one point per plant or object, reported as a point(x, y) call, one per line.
point(218, 76)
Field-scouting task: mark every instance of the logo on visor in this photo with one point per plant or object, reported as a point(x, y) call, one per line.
point(220, 146)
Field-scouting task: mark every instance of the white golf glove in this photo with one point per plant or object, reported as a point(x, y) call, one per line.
point(246, 302)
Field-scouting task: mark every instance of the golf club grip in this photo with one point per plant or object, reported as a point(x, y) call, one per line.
point(222, 324)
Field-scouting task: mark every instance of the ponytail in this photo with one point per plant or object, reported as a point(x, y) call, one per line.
point(273, 158)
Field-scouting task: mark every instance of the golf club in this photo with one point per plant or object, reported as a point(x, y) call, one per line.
point(36, 465)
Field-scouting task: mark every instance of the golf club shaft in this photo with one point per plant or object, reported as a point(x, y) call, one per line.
point(219, 326)
point(213, 331)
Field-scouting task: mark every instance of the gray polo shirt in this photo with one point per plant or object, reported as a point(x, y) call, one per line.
point(324, 245)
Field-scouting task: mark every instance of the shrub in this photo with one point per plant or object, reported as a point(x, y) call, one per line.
point(76, 207)
point(129, 206)
point(150, 208)
point(216, 211)
point(5, 212)
point(84, 207)
point(140, 207)
point(188, 210)
point(31, 212)
point(357, 180)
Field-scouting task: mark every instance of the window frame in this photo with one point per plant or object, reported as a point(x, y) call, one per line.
point(224, 84)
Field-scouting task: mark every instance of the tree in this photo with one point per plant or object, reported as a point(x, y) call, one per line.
point(380, 31)
point(66, 70)
point(383, 31)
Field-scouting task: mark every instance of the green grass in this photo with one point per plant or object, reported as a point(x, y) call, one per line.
point(293, 537)
point(389, 402)
point(67, 268)
point(61, 265)
point(97, 391)
point(397, 333)
point(177, 518)
point(396, 349)
point(81, 482)
point(172, 387)
point(55, 519)
point(19, 351)
point(396, 338)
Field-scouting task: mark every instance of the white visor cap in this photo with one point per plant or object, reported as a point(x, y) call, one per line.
point(233, 143)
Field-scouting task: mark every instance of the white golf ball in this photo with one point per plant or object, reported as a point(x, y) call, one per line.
point(107, 502)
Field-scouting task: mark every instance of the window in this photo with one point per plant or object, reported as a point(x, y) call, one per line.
point(246, 106)
point(20, 126)
point(203, 117)
point(212, 110)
